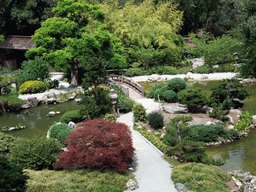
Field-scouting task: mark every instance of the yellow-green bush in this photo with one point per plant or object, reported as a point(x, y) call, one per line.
point(32, 87)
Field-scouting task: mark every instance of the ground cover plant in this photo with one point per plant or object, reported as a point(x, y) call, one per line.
point(60, 131)
point(73, 115)
point(98, 144)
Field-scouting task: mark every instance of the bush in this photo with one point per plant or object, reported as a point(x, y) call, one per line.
point(218, 112)
point(195, 99)
point(139, 112)
point(170, 96)
point(6, 142)
point(98, 144)
point(12, 176)
point(134, 72)
point(208, 133)
point(73, 115)
point(162, 70)
point(156, 120)
point(231, 134)
point(32, 87)
point(117, 89)
point(110, 117)
point(125, 103)
point(60, 131)
point(11, 103)
point(177, 84)
point(156, 93)
point(36, 153)
point(246, 120)
point(202, 69)
point(150, 92)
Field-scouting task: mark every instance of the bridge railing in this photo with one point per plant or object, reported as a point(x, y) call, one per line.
point(137, 87)
point(125, 90)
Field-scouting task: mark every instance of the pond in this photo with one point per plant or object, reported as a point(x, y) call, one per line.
point(36, 120)
point(240, 154)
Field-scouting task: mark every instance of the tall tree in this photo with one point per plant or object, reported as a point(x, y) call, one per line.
point(69, 45)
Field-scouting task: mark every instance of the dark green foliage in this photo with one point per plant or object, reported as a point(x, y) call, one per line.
point(32, 87)
point(125, 103)
point(156, 120)
point(152, 88)
point(13, 178)
point(219, 112)
point(96, 103)
point(35, 153)
point(60, 131)
point(170, 96)
point(231, 134)
point(162, 70)
point(6, 142)
point(134, 72)
point(208, 133)
point(202, 69)
point(118, 89)
point(10, 103)
point(106, 188)
point(195, 99)
point(139, 112)
point(74, 116)
point(158, 92)
point(177, 84)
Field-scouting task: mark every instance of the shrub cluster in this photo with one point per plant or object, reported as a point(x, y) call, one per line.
point(60, 131)
point(139, 112)
point(125, 103)
point(110, 117)
point(177, 84)
point(202, 69)
point(6, 142)
point(32, 87)
point(73, 115)
point(162, 70)
point(156, 120)
point(246, 120)
point(98, 144)
point(134, 72)
point(10, 103)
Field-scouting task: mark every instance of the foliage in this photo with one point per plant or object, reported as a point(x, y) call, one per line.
point(32, 87)
point(96, 103)
point(73, 115)
point(118, 89)
point(219, 112)
point(6, 142)
point(156, 120)
point(177, 84)
point(151, 87)
point(69, 45)
point(36, 69)
point(202, 69)
point(13, 178)
point(12, 101)
point(231, 134)
point(134, 72)
point(162, 70)
point(195, 99)
point(139, 112)
point(76, 180)
point(125, 103)
point(35, 153)
point(98, 144)
point(170, 96)
point(246, 120)
point(110, 117)
point(158, 92)
point(208, 133)
point(60, 131)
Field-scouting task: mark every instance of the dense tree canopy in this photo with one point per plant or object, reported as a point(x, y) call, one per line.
point(67, 43)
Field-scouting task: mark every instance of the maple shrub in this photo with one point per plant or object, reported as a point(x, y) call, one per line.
point(98, 144)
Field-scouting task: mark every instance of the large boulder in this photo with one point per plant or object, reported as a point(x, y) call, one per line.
point(180, 187)
point(32, 102)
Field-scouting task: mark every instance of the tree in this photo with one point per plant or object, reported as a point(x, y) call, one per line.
point(69, 45)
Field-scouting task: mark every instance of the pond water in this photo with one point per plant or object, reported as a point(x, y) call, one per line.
point(36, 120)
point(240, 154)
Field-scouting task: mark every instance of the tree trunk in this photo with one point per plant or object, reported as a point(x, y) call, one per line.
point(74, 74)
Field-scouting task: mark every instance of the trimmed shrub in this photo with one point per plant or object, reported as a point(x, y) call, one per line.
point(6, 142)
point(202, 69)
point(139, 112)
point(162, 70)
point(156, 93)
point(134, 72)
point(32, 87)
point(73, 115)
point(60, 131)
point(156, 120)
point(125, 103)
point(110, 117)
point(12, 176)
point(36, 153)
point(11, 103)
point(98, 144)
point(150, 92)
point(170, 96)
point(177, 84)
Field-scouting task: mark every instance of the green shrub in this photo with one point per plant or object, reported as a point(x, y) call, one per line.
point(208, 133)
point(150, 91)
point(110, 117)
point(202, 69)
point(60, 131)
point(125, 103)
point(246, 120)
point(158, 92)
point(36, 153)
point(195, 99)
point(134, 72)
point(184, 70)
point(118, 89)
point(73, 115)
point(12, 101)
point(139, 112)
point(6, 142)
point(162, 70)
point(231, 134)
point(219, 113)
point(156, 120)
point(177, 84)
point(13, 178)
point(106, 188)
point(170, 96)
point(32, 87)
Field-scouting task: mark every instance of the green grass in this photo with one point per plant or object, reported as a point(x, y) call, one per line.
point(212, 178)
point(77, 180)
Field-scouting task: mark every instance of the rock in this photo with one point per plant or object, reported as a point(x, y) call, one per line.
point(254, 118)
point(57, 112)
point(72, 96)
point(12, 128)
point(197, 62)
point(237, 111)
point(237, 182)
point(52, 113)
point(208, 123)
point(204, 77)
point(230, 119)
point(175, 109)
point(218, 122)
point(48, 94)
point(32, 102)
point(216, 66)
point(132, 185)
point(189, 75)
point(50, 100)
point(72, 124)
point(180, 187)
point(154, 77)
point(231, 127)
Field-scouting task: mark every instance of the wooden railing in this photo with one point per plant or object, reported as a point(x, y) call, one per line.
point(122, 79)
point(112, 82)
